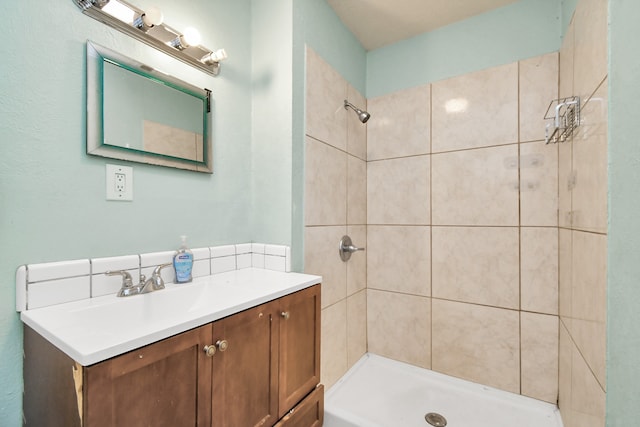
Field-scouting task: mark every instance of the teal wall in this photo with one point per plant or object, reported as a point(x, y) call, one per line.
point(623, 333)
point(271, 126)
point(567, 7)
point(52, 203)
point(521, 30)
point(52, 195)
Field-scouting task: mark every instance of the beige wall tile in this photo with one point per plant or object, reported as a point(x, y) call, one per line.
point(357, 264)
point(356, 130)
point(325, 184)
point(398, 191)
point(326, 118)
point(321, 258)
point(566, 182)
point(400, 124)
point(591, 339)
point(565, 166)
point(589, 276)
point(398, 259)
point(538, 86)
point(476, 264)
point(169, 141)
point(589, 299)
point(539, 184)
point(590, 54)
point(356, 191)
point(399, 327)
point(333, 357)
point(590, 164)
point(200, 148)
point(539, 269)
point(475, 110)
point(565, 275)
point(477, 343)
point(476, 187)
point(539, 341)
point(564, 376)
point(356, 326)
point(587, 397)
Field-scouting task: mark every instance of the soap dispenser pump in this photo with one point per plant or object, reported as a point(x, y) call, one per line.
point(183, 262)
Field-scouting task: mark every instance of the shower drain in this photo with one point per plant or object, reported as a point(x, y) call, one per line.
point(436, 420)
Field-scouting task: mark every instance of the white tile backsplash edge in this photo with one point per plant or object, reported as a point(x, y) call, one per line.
point(44, 284)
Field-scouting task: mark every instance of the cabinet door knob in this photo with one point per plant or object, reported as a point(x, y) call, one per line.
point(285, 315)
point(222, 345)
point(210, 350)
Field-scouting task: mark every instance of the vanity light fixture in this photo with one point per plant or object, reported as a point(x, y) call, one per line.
point(149, 27)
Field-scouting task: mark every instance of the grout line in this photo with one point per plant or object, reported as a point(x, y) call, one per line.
point(584, 359)
point(519, 230)
point(430, 226)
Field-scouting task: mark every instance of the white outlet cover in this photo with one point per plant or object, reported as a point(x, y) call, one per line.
point(119, 188)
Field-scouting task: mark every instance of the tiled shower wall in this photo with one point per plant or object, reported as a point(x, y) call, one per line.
point(462, 228)
point(583, 221)
point(335, 205)
point(466, 214)
point(459, 216)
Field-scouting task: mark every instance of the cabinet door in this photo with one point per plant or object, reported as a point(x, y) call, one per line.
point(308, 413)
point(157, 385)
point(245, 388)
point(299, 368)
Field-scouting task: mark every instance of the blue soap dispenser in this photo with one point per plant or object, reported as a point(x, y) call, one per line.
point(183, 262)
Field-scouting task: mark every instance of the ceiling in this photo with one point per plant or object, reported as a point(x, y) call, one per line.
point(377, 23)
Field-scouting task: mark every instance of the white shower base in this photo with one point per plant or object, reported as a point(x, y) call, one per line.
point(379, 392)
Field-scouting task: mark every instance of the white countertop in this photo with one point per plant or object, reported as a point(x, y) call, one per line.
point(95, 329)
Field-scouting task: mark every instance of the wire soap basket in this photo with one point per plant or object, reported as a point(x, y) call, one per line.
point(563, 115)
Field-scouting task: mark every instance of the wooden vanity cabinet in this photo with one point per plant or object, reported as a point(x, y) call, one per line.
point(157, 385)
point(263, 366)
point(299, 365)
point(271, 363)
point(245, 374)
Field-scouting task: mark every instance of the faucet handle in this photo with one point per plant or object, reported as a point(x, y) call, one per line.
point(156, 271)
point(127, 281)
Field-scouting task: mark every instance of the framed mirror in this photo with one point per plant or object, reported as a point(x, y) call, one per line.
point(140, 114)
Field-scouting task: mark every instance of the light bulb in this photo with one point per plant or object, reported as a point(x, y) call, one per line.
point(215, 56)
point(120, 11)
point(152, 16)
point(190, 37)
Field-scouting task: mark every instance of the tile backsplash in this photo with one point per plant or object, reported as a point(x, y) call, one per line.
point(44, 284)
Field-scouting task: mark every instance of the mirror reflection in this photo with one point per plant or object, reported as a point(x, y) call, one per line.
point(140, 114)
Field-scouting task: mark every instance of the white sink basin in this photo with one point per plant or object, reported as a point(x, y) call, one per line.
point(96, 329)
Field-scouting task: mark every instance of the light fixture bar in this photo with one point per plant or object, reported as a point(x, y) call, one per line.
point(157, 36)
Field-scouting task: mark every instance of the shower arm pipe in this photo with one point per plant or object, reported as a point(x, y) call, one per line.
point(363, 116)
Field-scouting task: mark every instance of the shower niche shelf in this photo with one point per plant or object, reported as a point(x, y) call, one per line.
point(562, 116)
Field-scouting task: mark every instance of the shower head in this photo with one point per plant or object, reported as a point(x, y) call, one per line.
point(363, 116)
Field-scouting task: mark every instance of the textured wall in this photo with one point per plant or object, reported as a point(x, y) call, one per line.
point(52, 195)
point(521, 30)
point(623, 346)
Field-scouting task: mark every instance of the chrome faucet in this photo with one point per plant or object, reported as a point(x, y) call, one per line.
point(153, 283)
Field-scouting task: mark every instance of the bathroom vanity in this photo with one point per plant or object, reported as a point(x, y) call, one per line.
point(236, 349)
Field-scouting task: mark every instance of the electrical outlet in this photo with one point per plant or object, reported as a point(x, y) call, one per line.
point(119, 182)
